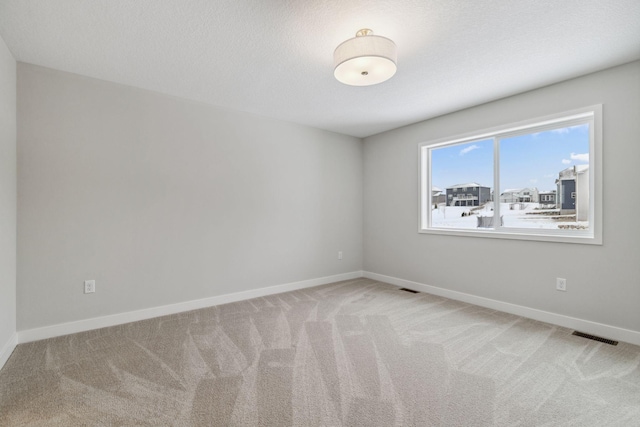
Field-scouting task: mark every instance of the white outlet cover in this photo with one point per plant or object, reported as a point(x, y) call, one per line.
point(89, 286)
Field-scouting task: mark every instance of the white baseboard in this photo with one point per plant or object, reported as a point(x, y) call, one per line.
point(587, 326)
point(8, 348)
point(133, 316)
point(599, 329)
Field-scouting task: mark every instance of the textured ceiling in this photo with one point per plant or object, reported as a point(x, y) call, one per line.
point(275, 57)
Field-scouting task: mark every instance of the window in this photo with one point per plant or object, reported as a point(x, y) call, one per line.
point(554, 161)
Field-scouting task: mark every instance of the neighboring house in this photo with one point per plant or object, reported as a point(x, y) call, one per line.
point(548, 198)
point(472, 194)
point(573, 192)
point(437, 196)
point(519, 195)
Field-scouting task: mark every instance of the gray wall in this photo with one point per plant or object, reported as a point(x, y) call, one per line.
point(603, 281)
point(7, 195)
point(163, 200)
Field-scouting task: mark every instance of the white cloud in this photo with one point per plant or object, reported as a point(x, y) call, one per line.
point(566, 161)
point(581, 157)
point(561, 130)
point(533, 181)
point(468, 149)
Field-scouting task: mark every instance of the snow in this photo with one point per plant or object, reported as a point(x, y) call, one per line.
point(528, 217)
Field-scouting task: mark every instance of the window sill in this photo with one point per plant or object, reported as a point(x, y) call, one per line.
point(587, 238)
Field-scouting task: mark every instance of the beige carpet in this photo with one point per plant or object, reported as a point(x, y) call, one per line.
point(355, 353)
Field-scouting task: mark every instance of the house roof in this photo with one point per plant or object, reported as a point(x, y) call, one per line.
point(275, 59)
point(518, 190)
point(471, 184)
point(571, 171)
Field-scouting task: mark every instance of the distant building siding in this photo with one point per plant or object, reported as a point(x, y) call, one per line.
point(438, 199)
point(582, 191)
point(568, 194)
point(548, 198)
point(520, 195)
point(573, 192)
point(485, 195)
point(472, 195)
point(437, 196)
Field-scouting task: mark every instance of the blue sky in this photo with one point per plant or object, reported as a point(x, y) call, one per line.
point(531, 160)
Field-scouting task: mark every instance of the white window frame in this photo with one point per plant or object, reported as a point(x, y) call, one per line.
point(591, 115)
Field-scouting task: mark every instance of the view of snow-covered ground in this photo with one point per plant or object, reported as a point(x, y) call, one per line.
point(530, 216)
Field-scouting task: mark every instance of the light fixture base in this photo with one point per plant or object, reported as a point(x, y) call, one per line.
point(364, 32)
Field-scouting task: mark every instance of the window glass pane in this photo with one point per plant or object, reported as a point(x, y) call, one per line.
point(544, 179)
point(462, 181)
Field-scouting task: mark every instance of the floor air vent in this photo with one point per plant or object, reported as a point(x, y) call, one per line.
point(593, 337)
point(409, 290)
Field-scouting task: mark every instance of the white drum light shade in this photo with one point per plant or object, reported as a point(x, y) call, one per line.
point(365, 59)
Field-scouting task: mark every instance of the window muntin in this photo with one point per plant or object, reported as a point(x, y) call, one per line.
point(556, 155)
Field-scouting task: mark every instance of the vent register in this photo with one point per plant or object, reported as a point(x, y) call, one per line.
point(595, 338)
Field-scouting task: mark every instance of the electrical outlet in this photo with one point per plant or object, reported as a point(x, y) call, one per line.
point(561, 284)
point(89, 286)
point(339, 254)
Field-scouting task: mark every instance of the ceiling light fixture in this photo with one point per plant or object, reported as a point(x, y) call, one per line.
point(365, 59)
